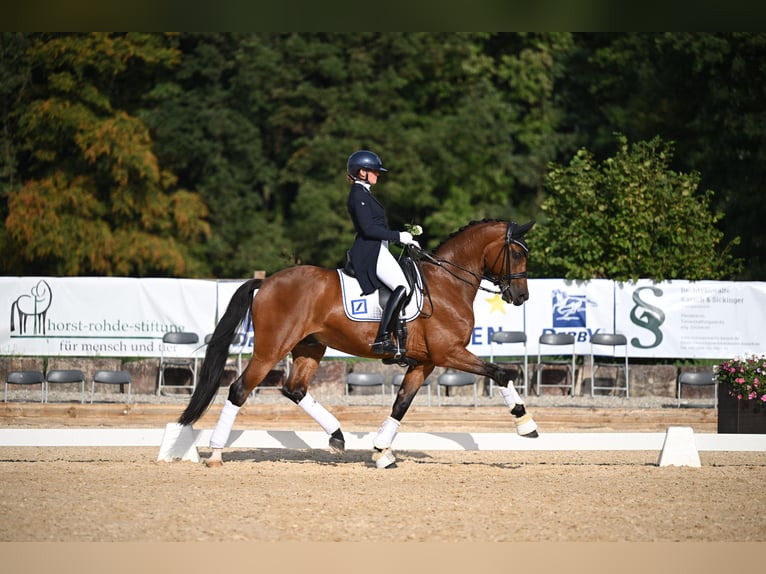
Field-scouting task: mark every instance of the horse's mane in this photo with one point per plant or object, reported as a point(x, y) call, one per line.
point(466, 226)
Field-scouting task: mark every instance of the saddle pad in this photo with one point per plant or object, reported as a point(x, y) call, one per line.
point(360, 307)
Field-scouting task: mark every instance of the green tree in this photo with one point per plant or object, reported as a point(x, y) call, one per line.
point(94, 199)
point(702, 90)
point(452, 115)
point(211, 124)
point(629, 217)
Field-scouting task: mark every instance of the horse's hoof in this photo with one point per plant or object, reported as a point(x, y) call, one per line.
point(384, 458)
point(213, 463)
point(338, 446)
point(532, 434)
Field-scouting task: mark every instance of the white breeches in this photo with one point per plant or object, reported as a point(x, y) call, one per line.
point(388, 269)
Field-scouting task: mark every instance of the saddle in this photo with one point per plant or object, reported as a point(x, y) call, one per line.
point(411, 273)
point(364, 308)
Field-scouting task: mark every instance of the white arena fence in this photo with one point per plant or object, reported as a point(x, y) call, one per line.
point(177, 442)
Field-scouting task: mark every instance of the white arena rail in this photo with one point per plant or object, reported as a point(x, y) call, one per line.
point(177, 442)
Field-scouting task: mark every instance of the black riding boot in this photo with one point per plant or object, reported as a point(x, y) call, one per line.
point(383, 344)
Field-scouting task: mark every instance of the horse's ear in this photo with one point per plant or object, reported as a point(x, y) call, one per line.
point(522, 229)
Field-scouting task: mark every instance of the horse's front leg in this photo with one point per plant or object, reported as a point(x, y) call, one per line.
point(383, 455)
point(464, 360)
point(525, 425)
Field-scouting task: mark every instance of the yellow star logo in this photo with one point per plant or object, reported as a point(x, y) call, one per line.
point(496, 303)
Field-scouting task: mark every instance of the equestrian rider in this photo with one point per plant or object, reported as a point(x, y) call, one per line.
point(372, 262)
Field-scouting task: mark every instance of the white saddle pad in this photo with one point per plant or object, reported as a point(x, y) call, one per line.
point(360, 307)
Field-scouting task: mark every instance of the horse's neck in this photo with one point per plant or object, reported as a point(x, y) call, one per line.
point(467, 251)
point(463, 263)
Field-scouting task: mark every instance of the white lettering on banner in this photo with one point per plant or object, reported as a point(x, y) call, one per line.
point(126, 317)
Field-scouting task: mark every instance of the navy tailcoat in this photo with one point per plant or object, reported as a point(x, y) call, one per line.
point(369, 217)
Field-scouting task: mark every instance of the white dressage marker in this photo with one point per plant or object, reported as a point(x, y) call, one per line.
point(178, 442)
point(679, 448)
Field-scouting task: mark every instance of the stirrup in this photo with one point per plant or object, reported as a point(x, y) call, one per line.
point(384, 347)
point(402, 360)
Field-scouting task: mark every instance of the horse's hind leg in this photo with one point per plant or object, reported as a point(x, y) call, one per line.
point(306, 358)
point(239, 390)
point(383, 455)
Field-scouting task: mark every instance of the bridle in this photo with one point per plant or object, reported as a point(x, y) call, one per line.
point(503, 281)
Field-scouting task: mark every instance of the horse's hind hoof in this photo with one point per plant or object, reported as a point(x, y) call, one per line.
point(384, 458)
point(532, 434)
point(338, 446)
point(213, 463)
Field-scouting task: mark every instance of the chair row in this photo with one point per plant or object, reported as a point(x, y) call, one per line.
point(443, 382)
point(557, 350)
point(188, 354)
point(68, 376)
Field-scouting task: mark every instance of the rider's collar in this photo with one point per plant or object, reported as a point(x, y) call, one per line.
point(363, 183)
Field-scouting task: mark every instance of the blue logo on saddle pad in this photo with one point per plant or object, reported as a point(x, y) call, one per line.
point(359, 306)
point(568, 310)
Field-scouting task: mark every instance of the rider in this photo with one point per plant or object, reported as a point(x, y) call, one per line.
point(372, 262)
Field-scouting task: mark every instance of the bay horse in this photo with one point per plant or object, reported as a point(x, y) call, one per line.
point(299, 310)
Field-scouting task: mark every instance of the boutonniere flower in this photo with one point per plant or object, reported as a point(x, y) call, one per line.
point(414, 230)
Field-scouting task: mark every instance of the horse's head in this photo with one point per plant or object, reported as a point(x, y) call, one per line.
point(505, 263)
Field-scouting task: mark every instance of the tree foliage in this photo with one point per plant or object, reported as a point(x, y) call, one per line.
point(94, 198)
point(702, 91)
point(215, 154)
point(629, 217)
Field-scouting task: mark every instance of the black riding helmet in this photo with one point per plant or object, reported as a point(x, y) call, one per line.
point(363, 159)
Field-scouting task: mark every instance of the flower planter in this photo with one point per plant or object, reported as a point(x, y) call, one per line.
point(740, 416)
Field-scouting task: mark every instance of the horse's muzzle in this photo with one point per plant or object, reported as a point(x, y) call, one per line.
point(515, 296)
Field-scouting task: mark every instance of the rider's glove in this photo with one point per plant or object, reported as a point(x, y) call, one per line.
point(405, 237)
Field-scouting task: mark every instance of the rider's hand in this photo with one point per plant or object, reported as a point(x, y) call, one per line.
point(405, 237)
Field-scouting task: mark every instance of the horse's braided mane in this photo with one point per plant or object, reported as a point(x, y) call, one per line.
point(466, 226)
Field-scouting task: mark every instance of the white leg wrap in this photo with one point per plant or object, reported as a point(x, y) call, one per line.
point(320, 414)
point(386, 433)
point(511, 396)
point(525, 425)
point(225, 423)
point(384, 458)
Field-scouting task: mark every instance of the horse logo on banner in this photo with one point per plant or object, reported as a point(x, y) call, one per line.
point(35, 305)
point(568, 310)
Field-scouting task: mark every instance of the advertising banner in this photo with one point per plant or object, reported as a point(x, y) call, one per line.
point(100, 316)
point(126, 317)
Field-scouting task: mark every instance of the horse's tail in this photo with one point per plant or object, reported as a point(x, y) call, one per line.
point(14, 307)
point(218, 351)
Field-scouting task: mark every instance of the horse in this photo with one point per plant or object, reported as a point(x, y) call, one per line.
point(299, 310)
